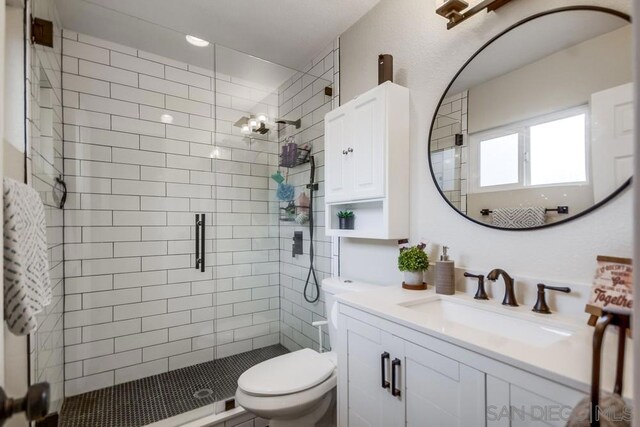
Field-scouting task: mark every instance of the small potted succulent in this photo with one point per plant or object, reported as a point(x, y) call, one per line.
point(346, 220)
point(413, 261)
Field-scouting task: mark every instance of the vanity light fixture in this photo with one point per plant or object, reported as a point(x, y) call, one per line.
point(197, 41)
point(454, 10)
point(245, 129)
point(262, 118)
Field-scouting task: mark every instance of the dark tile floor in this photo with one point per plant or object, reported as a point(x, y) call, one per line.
point(152, 399)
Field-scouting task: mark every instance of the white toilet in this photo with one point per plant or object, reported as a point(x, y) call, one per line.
point(299, 388)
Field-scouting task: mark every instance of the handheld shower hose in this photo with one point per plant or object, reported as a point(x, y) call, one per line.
point(311, 275)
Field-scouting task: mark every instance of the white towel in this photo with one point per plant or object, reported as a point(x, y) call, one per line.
point(27, 288)
point(534, 216)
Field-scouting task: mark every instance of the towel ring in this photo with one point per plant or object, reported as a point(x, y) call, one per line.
point(60, 185)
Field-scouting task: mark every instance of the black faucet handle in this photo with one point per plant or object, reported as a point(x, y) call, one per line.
point(542, 286)
point(541, 303)
point(480, 292)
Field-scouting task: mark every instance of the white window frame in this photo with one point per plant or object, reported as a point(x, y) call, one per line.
point(524, 169)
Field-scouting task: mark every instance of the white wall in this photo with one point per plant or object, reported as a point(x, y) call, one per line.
point(426, 57)
point(577, 73)
point(14, 81)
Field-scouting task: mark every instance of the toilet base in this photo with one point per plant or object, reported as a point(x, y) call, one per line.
point(323, 415)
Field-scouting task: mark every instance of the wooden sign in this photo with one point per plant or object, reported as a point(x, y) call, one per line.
point(612, 287)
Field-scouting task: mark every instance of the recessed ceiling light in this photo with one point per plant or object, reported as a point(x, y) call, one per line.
point(197, 42)
point(166, 118)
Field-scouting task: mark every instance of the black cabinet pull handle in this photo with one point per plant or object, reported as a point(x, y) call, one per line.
point(384, 360)
point(395, 391)
point(202, 251)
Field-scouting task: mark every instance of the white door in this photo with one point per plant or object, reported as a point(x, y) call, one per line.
point(365, 397)
point(611, 139)
point(366, 148)
point(337, 183)
point(2, 25)
point(442, 392)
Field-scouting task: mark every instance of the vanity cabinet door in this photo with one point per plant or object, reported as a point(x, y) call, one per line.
point(367, 145)
point(528, 401)
point(339, 174)
point(365, 382)
point(440, 391)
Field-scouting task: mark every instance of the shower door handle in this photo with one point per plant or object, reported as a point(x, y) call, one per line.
point(200, 253)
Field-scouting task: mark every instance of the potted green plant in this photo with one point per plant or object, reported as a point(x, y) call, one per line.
point(346, 220)
point(413, 261)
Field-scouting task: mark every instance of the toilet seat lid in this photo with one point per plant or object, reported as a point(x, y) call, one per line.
point(286, 374)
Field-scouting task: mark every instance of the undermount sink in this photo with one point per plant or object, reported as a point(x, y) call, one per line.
point(462, 319)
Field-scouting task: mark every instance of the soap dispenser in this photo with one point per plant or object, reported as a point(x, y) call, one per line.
point(445, 280)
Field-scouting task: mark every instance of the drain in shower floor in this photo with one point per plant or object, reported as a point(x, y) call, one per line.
point(201, 394)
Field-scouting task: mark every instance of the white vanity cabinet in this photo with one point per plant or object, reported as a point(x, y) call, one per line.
point(367, 163)
point(436, 383)
point(389, 381)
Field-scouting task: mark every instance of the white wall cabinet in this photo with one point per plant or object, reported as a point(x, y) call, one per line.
point(367, 163)
point(391, 375)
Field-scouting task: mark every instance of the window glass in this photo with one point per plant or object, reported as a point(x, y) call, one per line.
point(499, 161)
point(557, 151)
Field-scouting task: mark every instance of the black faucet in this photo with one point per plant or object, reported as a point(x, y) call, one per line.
point(509, 295)
point(541, 304)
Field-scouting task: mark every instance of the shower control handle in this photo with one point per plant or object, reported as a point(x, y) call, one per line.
point(350, 150)
point(345, 152)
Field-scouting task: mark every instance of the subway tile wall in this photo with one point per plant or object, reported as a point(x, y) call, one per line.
point(304, 96)
point(134, 304)
point(448, 160)
point(44, 165)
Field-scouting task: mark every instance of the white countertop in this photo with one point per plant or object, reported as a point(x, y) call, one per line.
point(567, 361)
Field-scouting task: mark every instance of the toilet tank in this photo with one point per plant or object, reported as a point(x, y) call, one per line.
point(332, 287)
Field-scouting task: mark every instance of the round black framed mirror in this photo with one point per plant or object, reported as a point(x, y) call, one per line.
point(536, 129)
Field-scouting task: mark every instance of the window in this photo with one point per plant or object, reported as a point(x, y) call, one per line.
point(499, 160)
point(548, 150)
